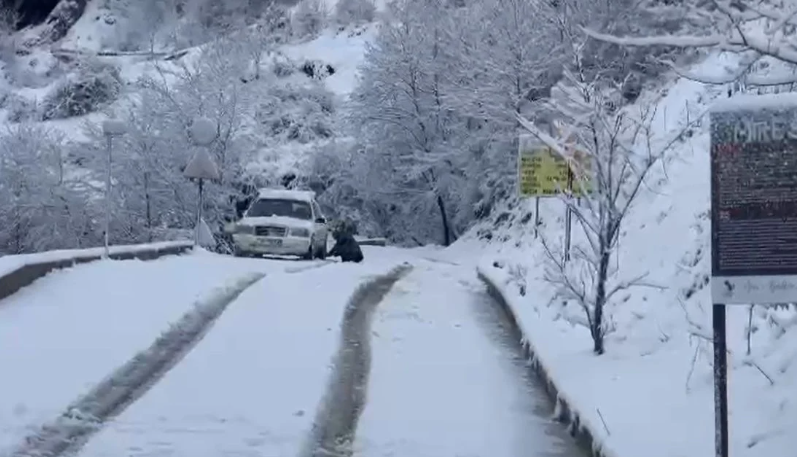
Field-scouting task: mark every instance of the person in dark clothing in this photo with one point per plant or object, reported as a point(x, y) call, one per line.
point(346, 247)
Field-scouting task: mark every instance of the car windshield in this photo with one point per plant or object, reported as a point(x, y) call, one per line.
point(280, 207)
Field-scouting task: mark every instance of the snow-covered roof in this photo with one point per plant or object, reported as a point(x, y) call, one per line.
point(755, 102)
point(285, 194)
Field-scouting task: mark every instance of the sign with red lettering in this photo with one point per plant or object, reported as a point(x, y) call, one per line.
point(754, 204)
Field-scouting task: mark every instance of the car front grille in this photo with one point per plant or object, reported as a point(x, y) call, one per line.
point(270, 231)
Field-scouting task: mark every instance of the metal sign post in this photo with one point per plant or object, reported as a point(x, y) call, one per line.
point(568, 214)
point(576, 159)
point(753, 219)
point(110, 128)
point(720, 380)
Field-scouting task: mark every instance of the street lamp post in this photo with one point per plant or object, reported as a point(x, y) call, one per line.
point(201, 167)
point(110, 129)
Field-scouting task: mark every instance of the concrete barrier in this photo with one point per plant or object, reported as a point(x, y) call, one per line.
point(564, 411)
point(371, 241)
point(20, 271)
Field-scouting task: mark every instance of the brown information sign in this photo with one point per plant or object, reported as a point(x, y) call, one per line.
point(754, 203)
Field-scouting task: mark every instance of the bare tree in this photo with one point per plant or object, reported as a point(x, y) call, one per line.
point(620, 150)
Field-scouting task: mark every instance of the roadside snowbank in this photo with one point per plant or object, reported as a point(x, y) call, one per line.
point(651, 393)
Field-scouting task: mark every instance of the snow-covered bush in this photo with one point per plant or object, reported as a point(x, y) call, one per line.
point(309, 18)
point(354, 11)
point(93, 86)
point(20, 109)
point(317, 69)
point(282, 66)
point(297, 112)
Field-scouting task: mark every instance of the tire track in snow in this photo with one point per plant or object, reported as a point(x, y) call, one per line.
point(336, 419)
point(86, 416)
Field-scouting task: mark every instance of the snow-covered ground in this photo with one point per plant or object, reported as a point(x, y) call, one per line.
point(343, 50)
point(253, 384)
point(70, 329)
point(651, 393)
point(98, 30)
point(442, 384)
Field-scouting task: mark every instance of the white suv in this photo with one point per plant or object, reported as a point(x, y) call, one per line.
point(282, 222)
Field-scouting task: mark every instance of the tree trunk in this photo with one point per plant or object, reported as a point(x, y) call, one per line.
point(65, 14)
point(600, 297)
point(17, 237)
point(148, 201)
point(444, 217)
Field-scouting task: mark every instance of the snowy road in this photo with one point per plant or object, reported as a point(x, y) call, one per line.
point(447, 379)
point(252, 385)
point(284, 368)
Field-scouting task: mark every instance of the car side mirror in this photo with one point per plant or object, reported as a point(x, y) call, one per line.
point(320, 220)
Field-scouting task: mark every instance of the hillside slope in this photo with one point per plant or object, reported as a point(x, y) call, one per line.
point(651, 393)
point(273, 88)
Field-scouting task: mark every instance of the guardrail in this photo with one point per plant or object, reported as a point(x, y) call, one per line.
point(371, 241)
point(19, 271)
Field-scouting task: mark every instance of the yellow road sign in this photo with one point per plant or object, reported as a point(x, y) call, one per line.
point(541, 173)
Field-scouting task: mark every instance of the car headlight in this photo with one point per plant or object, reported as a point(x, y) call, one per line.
point(244, 229)
point(300, 232)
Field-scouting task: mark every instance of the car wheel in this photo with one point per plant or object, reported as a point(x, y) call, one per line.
point(239, 253)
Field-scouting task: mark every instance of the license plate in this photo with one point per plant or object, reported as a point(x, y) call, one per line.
point(272, 242)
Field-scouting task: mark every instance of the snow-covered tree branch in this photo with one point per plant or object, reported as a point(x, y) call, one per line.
point(401, 110)
point(45, 206)
point(753, 30)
